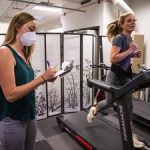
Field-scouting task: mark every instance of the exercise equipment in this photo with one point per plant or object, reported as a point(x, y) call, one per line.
point(102, 135)
point(100, 94)
point(141, 113)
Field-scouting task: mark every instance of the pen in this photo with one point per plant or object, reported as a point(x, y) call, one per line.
point(48, 63)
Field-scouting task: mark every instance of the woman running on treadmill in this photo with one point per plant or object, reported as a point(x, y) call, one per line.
point(122, 50)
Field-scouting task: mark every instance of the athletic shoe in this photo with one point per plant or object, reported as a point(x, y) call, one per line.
point(136, 142)
point(91, 115)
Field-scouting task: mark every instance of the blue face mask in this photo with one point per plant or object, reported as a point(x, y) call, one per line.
point(28, 38)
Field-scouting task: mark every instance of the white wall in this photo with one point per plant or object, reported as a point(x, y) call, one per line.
point(3, 27)
point(96, 15)
point(100, 15)
point(46, 25)
point(110, 13)
point(142, 9)
point(77, 20)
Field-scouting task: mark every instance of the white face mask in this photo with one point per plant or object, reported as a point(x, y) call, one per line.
point(28, 38)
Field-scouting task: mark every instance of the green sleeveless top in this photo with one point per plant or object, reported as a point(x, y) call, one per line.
point(24, 108)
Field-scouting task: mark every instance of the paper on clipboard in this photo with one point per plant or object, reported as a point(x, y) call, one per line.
point(66, 68)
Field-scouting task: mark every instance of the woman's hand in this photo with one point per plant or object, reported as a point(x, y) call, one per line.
point(137, 53)
point(132, 48)
point(49, 75)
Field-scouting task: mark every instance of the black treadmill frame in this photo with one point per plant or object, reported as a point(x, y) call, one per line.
point(138, 82)
point(125, 129)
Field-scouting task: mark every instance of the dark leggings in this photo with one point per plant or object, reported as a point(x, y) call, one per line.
point(17, 135)
point(109, 100)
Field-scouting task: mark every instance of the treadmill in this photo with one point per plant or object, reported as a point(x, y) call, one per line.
point(141, 112)
point(101, 134)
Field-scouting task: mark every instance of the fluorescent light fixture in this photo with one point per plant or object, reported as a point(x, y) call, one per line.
point(48, 9)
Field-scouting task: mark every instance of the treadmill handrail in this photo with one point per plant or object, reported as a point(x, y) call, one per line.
point(102, 85)
point(139, 81)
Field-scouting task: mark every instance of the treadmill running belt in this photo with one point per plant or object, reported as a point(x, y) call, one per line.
point(99, 134)
point(142, 109)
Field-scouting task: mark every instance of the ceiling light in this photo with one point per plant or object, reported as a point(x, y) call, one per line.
point(48, 9)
